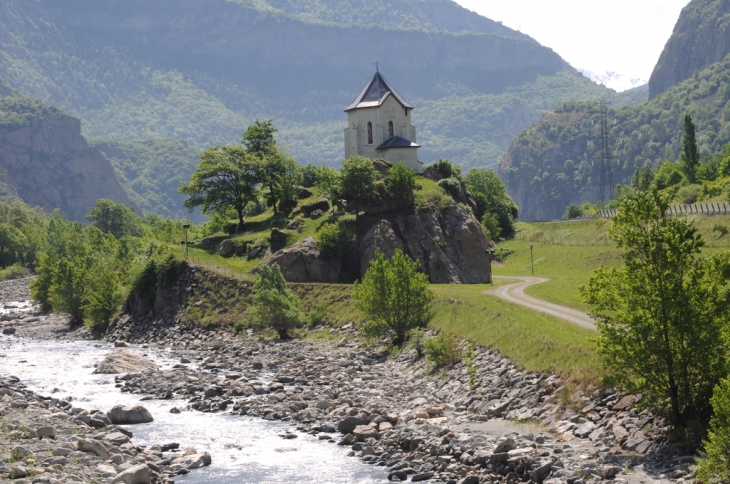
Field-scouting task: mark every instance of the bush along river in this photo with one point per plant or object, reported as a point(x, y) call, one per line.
point(302, 411)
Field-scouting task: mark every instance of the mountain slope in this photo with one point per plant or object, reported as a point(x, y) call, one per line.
point(202, 70)
point(701, 37)
point(555, 161)
point(46, 162)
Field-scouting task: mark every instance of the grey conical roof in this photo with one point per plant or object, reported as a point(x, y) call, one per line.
point(375, 93)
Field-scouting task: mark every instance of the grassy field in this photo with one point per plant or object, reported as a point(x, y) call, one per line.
point(568, 252)
point(537, 341)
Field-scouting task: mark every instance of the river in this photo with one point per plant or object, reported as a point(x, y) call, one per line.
point(244, 449)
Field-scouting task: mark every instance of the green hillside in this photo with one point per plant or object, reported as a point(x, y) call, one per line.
point(175, 70)
point(554, 162)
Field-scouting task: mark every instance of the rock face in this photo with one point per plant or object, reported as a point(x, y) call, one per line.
point(137, 414)
point(449, 244)
point(701, 37)
point(304, 263)
point(122, 360)
point(48, 163)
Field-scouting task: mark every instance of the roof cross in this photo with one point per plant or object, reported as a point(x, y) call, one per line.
point(377, 65)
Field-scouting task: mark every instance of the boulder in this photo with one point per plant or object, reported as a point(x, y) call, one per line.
point(316, 214)
point(349, 424)
point(364, 432)
point(95, 447)
point(385, 202)
point(134, 475)
point(192, 461)
point(278, 237)
point(308, 208)
point(303, 193)
point(49, 432)
point(137, 414)
point(122, 360)
point(227, 248)
point(303, 263)
point(8, 331)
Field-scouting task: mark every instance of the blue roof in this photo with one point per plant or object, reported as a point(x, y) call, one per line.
point(375, 93)
point(398, 142)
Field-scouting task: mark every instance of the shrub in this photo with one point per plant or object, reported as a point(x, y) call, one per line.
point(15, 271)
point(716, 467)
point(573, 211)
point(105, 295)
point(255, 207)
point(490, 223)
point(357, 179)
point(452, 186)
point(416, 340)
point(333, 239)
point(687, 194)
point(309, 176)
point(395, 297)
point(274, 305)
point(447, 169)
point(442, 350)
point(501, 254)
point(720, 229)
point(401, 181)
point(317, 316)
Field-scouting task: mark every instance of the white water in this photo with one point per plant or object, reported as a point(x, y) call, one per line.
point(244, 449)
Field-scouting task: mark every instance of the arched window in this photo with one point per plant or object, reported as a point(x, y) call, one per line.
point(370, 133)
point(391, 133)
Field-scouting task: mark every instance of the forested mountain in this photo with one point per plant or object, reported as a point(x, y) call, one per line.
point(202, 70)
point(701, 37)
point(556, 161)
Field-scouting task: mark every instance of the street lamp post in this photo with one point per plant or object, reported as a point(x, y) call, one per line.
point(186, 227)
point(532, 259)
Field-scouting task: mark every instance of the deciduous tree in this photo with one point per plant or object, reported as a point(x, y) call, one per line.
point(395, 296)
point(226, 176)
point(275, 305)
point(661, 316)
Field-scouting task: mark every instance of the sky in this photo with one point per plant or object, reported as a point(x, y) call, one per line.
point(621, 36)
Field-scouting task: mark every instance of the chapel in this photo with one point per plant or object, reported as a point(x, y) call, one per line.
point(379, 125)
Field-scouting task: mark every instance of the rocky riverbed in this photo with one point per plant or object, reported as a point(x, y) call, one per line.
point(420, 424)
point(47, 440)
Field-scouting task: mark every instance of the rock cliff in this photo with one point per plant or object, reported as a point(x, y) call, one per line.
point(46, 161)
point(450, 245)
point(701, 37)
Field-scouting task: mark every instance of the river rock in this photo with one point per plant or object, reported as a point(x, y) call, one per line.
point(137, 414)
point(349, 424)
point(122, 360)
point(192, 461)
point(135, 475)
point(227, 248)
point(9, 331)
point(95, 447)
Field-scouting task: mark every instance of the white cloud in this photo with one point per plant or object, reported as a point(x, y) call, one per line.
point(620, 36)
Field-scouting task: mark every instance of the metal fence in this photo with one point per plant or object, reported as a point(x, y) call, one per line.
point(716, 208)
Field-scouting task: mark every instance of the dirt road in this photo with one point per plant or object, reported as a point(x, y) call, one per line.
point(515, 293)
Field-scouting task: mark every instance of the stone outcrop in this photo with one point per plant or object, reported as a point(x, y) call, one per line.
point(48, 163)
point(304, 263)
point(701, 37)
point(449, 244)
point(122, 360)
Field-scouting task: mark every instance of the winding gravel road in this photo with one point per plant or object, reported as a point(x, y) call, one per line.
point(515, 293)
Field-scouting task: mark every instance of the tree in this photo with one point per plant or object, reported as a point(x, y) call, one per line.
point(225, 177)
point(328, 180)
point(394, 295)
point(401, 181)
point(715, 469)
point(114, 218)
point(690, 152)
point(490, 196)
point(259, 138)
point(661, 316)
point(642, 178)
point(274, 305)
point(358, 179)
point(573, 211)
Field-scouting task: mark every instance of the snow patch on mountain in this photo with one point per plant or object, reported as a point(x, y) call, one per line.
point(617, 82)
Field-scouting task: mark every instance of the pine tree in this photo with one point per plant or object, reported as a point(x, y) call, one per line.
point(690, 152)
